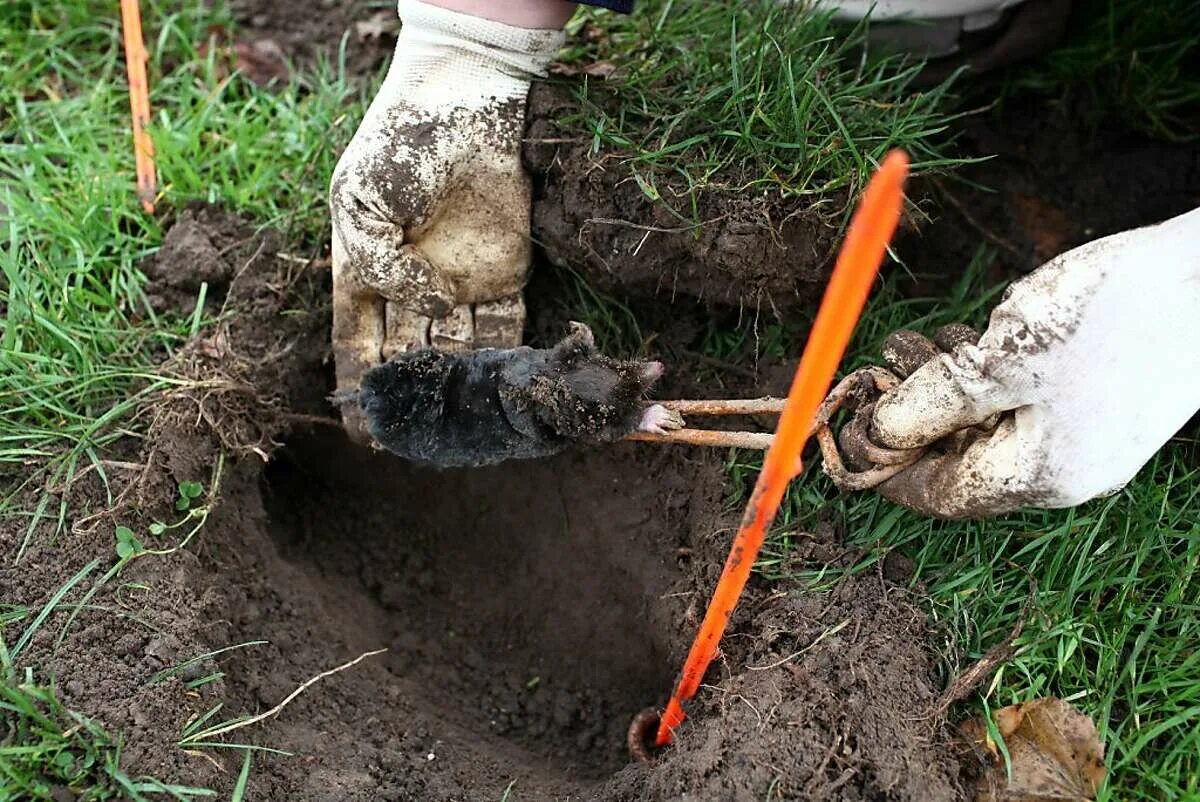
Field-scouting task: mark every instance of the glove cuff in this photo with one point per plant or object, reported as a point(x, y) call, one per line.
point(501, 59)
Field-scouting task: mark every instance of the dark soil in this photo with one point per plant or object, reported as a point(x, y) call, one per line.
point(303, 32)
point(590, 214)
point(528, 610)
point(1051, 182)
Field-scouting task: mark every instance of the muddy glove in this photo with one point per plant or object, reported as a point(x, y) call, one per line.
point(1091, 363)
point(430, 204)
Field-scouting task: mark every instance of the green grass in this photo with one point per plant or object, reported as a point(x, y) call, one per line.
point(1115, 620)
point(78, 339)
point(751, 96)
point(1114, 626)
point(47, 750)
point(1136, 62)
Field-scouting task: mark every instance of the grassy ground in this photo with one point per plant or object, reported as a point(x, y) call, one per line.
point(1116, 608)
point(1115, 614)
point(1132, 63)
point(78, 334)
point(78, 339)
point(751, 96)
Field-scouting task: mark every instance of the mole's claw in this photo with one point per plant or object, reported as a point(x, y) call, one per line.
point(660, 420)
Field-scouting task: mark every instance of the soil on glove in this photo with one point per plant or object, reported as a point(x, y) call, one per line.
point(528, 610)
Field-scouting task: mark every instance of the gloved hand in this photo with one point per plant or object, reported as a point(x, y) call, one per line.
point(430, 203)
point(1092, 363)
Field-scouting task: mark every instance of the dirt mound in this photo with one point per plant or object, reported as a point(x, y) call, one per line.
point(829, 699)
point(302, 33)
point(528, 610)
point(590, 214)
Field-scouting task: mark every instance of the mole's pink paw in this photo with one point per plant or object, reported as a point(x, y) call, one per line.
point(660, 420)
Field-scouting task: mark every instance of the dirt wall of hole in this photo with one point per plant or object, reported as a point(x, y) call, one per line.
point(528, 610)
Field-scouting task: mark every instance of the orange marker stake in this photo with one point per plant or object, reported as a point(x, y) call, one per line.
point(139, 101)
point(862, 253)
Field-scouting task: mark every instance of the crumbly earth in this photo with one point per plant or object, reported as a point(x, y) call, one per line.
point(306, 31)
point(754, 252)
point(528, 610)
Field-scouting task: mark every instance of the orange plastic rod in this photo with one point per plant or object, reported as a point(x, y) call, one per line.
point(857, 265)
point(139, 101)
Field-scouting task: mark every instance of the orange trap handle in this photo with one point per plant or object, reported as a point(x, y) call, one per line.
point(139, 101)
point(857, 265)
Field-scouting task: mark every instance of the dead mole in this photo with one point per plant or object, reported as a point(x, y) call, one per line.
point(474, 408)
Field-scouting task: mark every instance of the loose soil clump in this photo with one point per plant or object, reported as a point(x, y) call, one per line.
point(736, 249)
point(528, 610)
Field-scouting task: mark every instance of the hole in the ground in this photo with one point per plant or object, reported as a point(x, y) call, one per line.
point(528, 602)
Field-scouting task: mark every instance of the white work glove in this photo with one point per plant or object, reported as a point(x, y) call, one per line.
point(430, 203)
point(1092, 363)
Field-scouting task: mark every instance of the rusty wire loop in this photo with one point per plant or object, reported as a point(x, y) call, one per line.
point(859, 391)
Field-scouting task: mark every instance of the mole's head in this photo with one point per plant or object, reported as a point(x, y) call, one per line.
point(592, 396)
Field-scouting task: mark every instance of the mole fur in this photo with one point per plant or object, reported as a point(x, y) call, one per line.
point(474, 408)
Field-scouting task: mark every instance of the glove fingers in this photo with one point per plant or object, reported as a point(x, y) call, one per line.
point(455, 331)
point(500, 323)
point(403, 274)
point(375, 250)
point(947, 393)
point(951, 336)
point(986, 478)
point(358, 335)
point(405, 330)
point(905, 351)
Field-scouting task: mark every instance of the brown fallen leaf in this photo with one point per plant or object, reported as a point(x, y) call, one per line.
point(378, 25)
point(1054, 749)
point(597, 69)
point(593, 33)
point(260, 60)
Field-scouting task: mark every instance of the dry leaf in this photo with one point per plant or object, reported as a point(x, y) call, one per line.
point(261, 60)
point(1054, 749)
point(597, 69)
point(375, 27)
point(593, 33)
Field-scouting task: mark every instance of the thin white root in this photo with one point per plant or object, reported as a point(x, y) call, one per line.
point(222, 729)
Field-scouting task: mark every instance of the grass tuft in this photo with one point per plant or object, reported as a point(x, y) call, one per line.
point(1134, 61)
point(77, 337)
point(753, 95)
